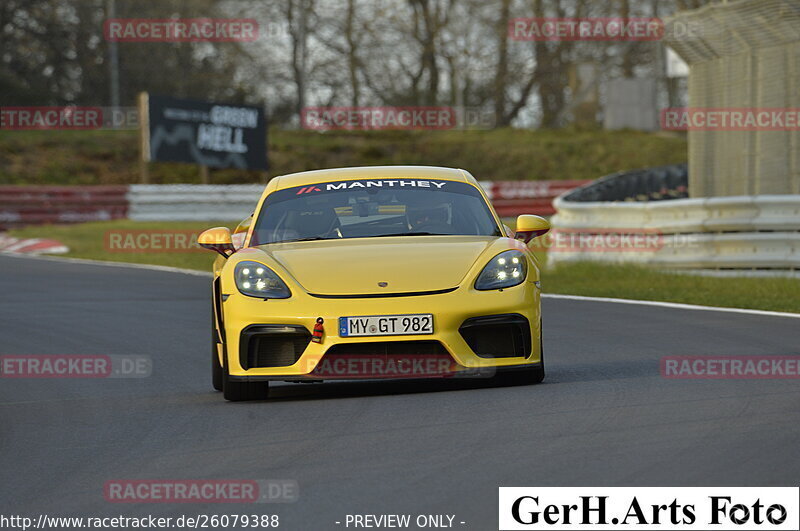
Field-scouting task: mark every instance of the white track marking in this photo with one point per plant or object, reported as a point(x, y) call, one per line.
point(151, 267)
point(31, 246)
point(673, 305)
point(21, 244)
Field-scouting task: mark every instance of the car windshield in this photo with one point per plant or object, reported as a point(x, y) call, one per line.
point(373, 208)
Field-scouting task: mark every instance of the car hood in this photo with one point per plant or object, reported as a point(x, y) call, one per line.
point(356, 266)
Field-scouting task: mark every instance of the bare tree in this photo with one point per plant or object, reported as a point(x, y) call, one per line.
point(298, 13)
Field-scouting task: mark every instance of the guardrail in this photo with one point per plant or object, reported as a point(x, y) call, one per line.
point(192, 202)
point(739, 250)
point(715, 214)
point(34, 205)
point(739, 232)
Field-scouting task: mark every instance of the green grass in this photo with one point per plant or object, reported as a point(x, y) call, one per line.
point(88, 240)
point(111, 157)
point(636, 282)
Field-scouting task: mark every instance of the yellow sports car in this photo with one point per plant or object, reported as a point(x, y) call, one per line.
point(374, 272)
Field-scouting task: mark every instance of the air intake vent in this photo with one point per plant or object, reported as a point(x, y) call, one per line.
point(272, 345)
point(498, 336)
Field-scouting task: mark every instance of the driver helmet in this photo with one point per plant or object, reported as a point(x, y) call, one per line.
point(420, 215)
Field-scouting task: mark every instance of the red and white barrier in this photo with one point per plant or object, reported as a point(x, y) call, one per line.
point(512, 198)
point(38, 205)
point(31, 246)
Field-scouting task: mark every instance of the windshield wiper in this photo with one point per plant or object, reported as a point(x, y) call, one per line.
point(409, 234)
point(318, 238)
point(311, 239)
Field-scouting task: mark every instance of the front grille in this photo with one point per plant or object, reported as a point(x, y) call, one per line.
point(385, 295)
point(272, 345)
point(498, 336)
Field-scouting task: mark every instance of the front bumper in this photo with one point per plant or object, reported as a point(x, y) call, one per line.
point(451, 311)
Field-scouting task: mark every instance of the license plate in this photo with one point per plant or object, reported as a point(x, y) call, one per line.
point(386, 325)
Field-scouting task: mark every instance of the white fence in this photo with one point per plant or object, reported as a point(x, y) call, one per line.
point(742, 54)
point(745, 232)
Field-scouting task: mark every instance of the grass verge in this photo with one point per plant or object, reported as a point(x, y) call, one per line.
point(88, 240)
point(636, 282)
point(111, 157)
point(91, 241)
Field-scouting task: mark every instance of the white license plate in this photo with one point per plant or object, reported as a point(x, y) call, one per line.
point(386, 325)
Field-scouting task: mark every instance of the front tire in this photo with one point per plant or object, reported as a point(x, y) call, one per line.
point(216, 368)
point(236, 391)
point(527, 375)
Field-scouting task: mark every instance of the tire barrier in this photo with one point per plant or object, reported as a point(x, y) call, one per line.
point(655, 184)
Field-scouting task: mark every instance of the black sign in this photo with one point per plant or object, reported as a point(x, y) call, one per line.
point(217, 135)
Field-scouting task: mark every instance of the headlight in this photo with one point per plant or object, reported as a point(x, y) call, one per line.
point(503, 271)
point(257, 280)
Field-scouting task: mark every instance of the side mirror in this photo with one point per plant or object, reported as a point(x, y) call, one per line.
point(217, 239)
point(240, 232)
point(530, 227)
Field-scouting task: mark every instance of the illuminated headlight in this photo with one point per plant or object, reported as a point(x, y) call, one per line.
point(503, 271)
point(257, 280)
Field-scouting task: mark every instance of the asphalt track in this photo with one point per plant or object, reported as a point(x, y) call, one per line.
point(604, 416)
